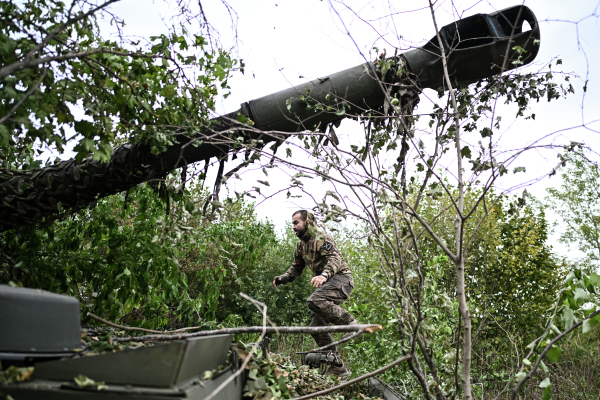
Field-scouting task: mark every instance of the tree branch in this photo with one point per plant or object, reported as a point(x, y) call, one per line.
point(25, 97)
point(257, 329)
point(543, 354)
point(134, 328)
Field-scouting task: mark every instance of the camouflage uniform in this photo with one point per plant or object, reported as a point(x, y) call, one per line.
point(317, 250)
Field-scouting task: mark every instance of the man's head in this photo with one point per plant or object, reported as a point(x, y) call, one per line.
point(299, 222)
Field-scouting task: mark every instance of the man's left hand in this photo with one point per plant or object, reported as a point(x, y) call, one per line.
point(318, 280)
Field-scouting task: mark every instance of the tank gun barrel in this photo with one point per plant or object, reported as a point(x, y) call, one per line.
point(477, 47)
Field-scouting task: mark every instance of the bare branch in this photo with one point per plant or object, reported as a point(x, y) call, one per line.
point(134, 328)
point(257, 329)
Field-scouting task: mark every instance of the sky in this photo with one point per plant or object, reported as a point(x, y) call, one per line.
point(282, 40)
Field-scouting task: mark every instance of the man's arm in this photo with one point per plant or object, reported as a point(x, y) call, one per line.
point(297, 266)
point(294, 271)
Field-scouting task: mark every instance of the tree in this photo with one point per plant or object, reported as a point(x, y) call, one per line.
point(511, 272)
point(372, 182)
point(576, 202)
point(154, 96)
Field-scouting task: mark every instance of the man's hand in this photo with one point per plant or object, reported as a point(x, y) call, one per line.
point(279, 280)
point(318, 280)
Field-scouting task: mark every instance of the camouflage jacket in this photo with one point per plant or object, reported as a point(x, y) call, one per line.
point(319, 252)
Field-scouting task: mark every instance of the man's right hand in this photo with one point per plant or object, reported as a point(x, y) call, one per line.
point(279, 280)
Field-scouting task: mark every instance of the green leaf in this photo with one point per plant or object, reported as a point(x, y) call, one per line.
point(85, 128)
point(595, 279)
point(518, 169)
point(568, 317)
point(586, 326)
point(465, 152)
point(543, 367)
point(554, 353)
point(485, 132)
point(219, 72)
point(590, 323)
point(581, 296)
point(545, 383)
point(84, 382)
point(547, 393)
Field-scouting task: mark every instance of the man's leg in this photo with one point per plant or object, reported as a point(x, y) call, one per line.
point(324, 305)
point(326, 300)
point(324, 338)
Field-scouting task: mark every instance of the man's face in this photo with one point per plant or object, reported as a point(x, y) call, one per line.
point(298, 225)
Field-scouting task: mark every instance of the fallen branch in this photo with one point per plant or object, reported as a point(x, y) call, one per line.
point(353, 381)
point(134, 328)
point(256, 329)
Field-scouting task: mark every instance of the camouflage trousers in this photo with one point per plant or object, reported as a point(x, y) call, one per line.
point(324, 305)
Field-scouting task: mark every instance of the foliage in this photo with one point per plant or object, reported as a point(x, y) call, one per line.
point(275, 376)
point(287, 304)
point(576, 202)
point(429, 255)
point(15, 374)
point(53, 60)
point(135, 263)
point(576, 374)
point(418, 211)
point(511, 272)
point(574, 308)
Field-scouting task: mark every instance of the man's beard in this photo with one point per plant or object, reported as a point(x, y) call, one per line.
point(301, 233)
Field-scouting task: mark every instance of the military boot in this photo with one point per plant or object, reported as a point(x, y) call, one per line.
point(338, 370)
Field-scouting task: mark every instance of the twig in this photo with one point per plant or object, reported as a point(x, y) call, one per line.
point(257, 329)
point(353, 381)
point(258, 305)
point(134, 328)
point(25, 97)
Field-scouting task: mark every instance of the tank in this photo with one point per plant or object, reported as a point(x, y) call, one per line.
point(42, 330)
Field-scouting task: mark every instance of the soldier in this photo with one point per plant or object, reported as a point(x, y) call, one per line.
point(332, 278)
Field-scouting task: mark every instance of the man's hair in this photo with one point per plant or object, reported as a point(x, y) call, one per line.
point(303, 214)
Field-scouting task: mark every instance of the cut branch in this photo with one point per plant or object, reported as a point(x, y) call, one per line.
point(134, 328)
point(257, 329)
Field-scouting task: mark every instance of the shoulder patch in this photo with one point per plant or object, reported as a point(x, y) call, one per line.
point(327, 246)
